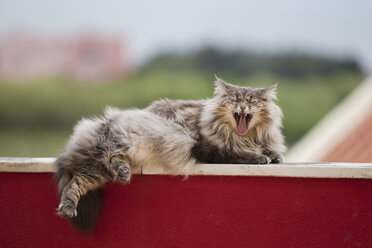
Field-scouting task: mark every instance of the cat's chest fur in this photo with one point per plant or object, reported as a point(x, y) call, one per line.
point(220, 145)
point(206, 151)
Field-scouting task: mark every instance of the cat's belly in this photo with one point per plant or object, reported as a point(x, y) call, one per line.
point(151, 156)
point(141, 153)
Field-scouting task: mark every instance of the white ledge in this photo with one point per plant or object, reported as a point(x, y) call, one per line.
point(312, 170)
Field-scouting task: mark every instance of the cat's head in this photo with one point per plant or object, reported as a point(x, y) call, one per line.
point(244, 107)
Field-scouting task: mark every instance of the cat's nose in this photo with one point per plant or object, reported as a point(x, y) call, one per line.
point(243, 107)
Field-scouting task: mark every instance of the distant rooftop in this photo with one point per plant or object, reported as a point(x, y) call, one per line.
point(84, 57)
point(356, 147)
point(343, 135)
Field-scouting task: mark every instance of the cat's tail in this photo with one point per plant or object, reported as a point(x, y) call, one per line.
point(89, 205)
point(89, 208)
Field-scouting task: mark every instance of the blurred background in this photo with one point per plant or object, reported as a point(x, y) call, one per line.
point(61, 60)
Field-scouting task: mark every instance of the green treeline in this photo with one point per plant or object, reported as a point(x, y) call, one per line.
point(36, 118)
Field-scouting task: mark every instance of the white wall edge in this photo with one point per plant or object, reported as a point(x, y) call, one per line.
point(308, 170)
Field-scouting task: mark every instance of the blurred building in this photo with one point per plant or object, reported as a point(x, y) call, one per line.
point(83, 57)
point(344, 135)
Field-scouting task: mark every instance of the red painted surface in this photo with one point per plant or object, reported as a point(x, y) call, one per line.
point(203, 211)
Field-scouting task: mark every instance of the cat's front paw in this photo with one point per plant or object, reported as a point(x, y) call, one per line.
point(124, 174)
point(263, 159)
point(66, 210)
point(277, 159)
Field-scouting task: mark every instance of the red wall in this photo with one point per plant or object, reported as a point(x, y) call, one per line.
point(203, 211)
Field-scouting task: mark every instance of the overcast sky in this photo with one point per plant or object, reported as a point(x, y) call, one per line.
point(330, 27)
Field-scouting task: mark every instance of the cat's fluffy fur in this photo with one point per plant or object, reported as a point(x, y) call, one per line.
point(213, 123)
point(238, 125)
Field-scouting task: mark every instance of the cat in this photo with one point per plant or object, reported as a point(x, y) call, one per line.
point(108, 149)
point(238, 125)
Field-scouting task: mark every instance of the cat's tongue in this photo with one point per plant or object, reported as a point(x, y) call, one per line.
point(242, 125)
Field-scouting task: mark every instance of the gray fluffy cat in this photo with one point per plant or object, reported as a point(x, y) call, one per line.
point(238, 125)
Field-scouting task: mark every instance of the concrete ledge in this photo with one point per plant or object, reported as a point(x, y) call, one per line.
point(27, 164)
point(311, 170)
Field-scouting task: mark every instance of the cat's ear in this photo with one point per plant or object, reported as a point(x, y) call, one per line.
point(269, 93)
point(222, 87)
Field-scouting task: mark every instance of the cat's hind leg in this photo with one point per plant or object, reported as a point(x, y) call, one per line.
point(78, 186)
point(115, 168)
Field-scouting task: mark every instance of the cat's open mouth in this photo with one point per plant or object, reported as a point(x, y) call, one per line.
point(242, 122)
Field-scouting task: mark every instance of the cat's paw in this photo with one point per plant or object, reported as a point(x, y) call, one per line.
point(263, 159)
point(124, 174)
point(66, 210)
point(276, 159)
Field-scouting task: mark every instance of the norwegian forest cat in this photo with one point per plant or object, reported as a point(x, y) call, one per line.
point(238, 125)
